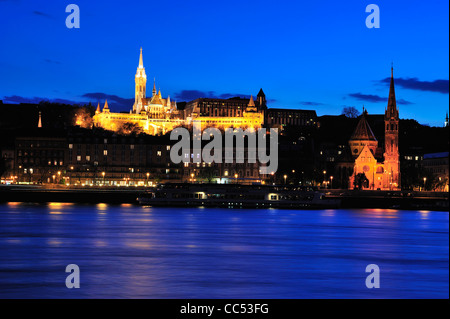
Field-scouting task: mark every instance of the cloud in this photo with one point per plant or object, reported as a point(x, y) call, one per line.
point(113, 100)
point(189, 95)
point(308, 103)
point(440, 86)
point(375, 98)
point(35, 100)
point(42, 14)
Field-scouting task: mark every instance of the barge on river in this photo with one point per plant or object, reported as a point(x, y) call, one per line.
point(237, 196)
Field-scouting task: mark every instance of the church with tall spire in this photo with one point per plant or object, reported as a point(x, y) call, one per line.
point(155, 114)
point(375, 167)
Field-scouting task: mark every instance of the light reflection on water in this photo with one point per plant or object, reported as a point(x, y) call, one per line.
point(127, 251)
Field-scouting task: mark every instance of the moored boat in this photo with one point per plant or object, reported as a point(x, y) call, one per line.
point(237, 196)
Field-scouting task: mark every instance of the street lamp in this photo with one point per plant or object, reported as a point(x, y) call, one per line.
point(285, 176)
point(148, 174)
point(192, 177)
point(424, 182)
point(324, 177)
point(331, 178)
point(103, 174)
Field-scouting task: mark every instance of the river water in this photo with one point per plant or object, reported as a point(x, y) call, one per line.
point(127, 251)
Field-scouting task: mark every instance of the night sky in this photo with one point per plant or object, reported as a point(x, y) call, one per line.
point(305, 55)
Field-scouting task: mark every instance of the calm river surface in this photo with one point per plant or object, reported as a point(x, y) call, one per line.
point(130, 251)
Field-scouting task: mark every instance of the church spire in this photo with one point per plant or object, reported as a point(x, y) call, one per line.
point(98, 108)
point(141, 60)
point(154, 87)
point(392, 104)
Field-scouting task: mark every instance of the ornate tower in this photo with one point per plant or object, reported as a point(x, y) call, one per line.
point(141, 82)
point(391, 155)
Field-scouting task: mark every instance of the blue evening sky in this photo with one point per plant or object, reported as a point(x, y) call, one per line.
point(305, 55)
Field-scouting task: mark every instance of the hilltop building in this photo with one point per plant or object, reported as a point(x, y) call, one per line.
point(156, 114)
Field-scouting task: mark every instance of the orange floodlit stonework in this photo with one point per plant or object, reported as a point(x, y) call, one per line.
point(368, 172)
point(158, 115)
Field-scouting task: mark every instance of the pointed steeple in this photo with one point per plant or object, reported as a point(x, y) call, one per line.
point(141, 60)
point(159, 94)
point(168, 101)
point(98, 108)
point(154, 87)
point(392, 104)
point(40, 120)
point(251, 102)
point(106, 107)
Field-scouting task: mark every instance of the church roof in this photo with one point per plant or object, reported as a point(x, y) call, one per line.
point(363, 130)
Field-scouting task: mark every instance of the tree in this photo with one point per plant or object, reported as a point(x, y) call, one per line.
point(361, 181)
point(350, 112)
point(130, 128)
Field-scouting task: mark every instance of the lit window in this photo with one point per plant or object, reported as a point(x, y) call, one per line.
point(158, 153)
point(131, 147)
point(70, 146)
point(168, 147)
point(105, 152)
point(78, 158)
point(88, 158)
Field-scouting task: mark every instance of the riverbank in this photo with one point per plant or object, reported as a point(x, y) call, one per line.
point(349, 199)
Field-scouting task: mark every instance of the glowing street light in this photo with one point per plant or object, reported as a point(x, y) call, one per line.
point(424, 182)
point(324, 178)
point(331, 178)
point(285, 177)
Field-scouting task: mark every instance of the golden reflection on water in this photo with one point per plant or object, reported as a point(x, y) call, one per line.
point(102, 206)
point(14, 204)
point(59, 205)
point(56, 213)
point(379, 213)
point(424, 214)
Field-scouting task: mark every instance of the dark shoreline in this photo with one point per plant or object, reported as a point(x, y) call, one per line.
point(128, 195)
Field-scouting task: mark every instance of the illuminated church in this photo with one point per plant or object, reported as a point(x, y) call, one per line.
point(158, 115)
point(375, 168)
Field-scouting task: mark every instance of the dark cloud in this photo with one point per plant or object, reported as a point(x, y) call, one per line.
point(308, 103)
point(375, 98)
point(35, 100)
point(189, 95)
point(113, 100)
point(440, 86)
point(42, 14)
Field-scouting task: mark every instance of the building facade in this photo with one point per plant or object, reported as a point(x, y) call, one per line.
point(376, 168)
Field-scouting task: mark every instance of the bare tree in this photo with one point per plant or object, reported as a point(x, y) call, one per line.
point(350, 112)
